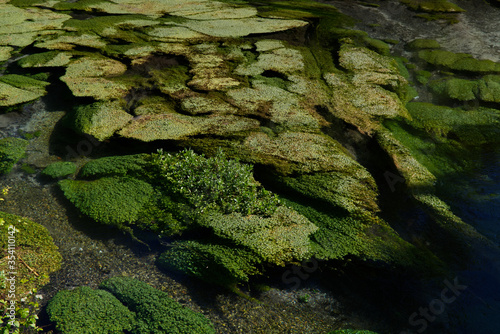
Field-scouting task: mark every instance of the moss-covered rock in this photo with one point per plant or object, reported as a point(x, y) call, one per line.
point(90, 76)
point(155, 311)
point(100, 119)
point(59, 169)
point(109, 200)
point(84, 310)
point(115, 166)
point(224, 265)
point(279, 239)
point(433, 6)
point(458, 61)
point(16, 89)
point(11, 150)
point(35, 253)
point(46, 59)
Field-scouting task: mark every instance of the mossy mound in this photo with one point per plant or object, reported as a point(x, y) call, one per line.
point(155, 311)
point(100, 119)
point(418, 44)
point(115, 166)
point(458, 61)
point(220, 264)
point(84, 310)
point(45, 59)
point(470, 127)
point(59, 169)
point(109, 200)
point(11, 150)
point(486, 89)
point(35, 253)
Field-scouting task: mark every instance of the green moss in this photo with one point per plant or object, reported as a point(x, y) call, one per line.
point(470, 127)
point(156, 311)
point(35, 247)
point(100, 119)
point(423, 76)
point(458, 61)
point(279, 239)
point(24, 82)
point(454, 88)
point(215, 263)
point(115, 166)
point(109, 200)
point(489, 88)
point(377, 46)
point(45, 59)
point(432, 5)
point(11, 150)
point(87, 311)
point(28, 169)
point(418, 44)
point(59, 169)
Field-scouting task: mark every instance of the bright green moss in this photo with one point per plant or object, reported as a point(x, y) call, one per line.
point(11, 150)
point(458, 61)
point(156, 312)
point(279, 239)
point(34, 246)
point(59, 169)
point(87, 311)
point(114, 166)
point(471, 127)
point(454, 88)
point(221, 264)
point(109, 200)
point(489, 88)
point(423, 76)
point(24, 82)
point(377, 45)
point(418, 44)
point(45, 59)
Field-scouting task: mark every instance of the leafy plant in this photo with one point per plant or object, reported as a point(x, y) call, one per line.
point(215, 183)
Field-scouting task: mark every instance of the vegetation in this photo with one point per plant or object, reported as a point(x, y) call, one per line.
point(11, 150)
point(156, 313)
point(35, 257)
point(59, 169)
point(87, 311)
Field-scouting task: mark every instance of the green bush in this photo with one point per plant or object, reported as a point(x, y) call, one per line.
point(156, 312)
point(109, 200)
point(215, 183)
point(84, 310)
point(11, 150)
point(59, 169)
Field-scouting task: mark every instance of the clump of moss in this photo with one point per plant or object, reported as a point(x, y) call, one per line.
point(458, 61)
point(221, 264)
point(419, 43)
point(109, 200)
point(87, 311)
point(11, 150)
point(59, 169)
point(35, 247)
point(455, 88)
point(423, 76)
point(433, 6)
point(156, 312)
point(115, 166)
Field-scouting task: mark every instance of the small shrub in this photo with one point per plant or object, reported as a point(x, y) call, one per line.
point(215, 183)
point(84, 310)
point(59, 169)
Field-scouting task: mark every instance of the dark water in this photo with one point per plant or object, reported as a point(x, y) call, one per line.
point(476, 199)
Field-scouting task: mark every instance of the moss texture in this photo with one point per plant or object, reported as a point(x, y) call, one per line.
point(11, 150)
point(155, 311)
point(35, 247)
point(84, 310)
point(59, 169)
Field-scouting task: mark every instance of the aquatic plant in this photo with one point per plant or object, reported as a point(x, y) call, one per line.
point(11, 150)
point(87, 311)
point(109, 200)
point(155, 311)
point(214, 183)
point(59, 169)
